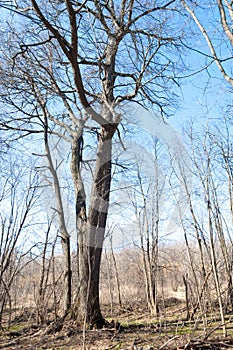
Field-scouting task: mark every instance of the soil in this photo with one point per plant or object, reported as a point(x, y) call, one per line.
point(128, 330)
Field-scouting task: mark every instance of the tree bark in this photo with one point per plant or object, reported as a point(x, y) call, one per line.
point(91, 236)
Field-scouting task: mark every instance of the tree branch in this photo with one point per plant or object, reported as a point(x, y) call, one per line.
point(209, 43)
point(227, 29)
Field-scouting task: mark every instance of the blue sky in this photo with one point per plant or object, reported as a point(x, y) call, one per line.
point(203, 96)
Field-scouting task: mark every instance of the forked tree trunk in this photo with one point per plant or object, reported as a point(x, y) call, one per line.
point(91, 232)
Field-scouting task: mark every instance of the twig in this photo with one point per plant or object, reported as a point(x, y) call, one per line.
point(169, 341)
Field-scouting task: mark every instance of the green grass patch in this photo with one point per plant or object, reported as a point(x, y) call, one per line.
point(16, 327)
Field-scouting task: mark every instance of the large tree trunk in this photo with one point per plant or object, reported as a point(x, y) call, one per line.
point(91, 230)
point(90, 244)
point(89, 268)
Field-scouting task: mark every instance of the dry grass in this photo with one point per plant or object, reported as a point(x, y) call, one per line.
point(138, 330)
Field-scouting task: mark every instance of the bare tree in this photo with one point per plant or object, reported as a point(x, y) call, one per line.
point(46, 287)
point(87, 57)
point(16, 208)
point(65, 237)
point(212, 231)
point(147, 200)
point(220, 140)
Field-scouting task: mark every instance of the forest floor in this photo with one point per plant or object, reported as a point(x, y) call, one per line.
point(130, 329)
